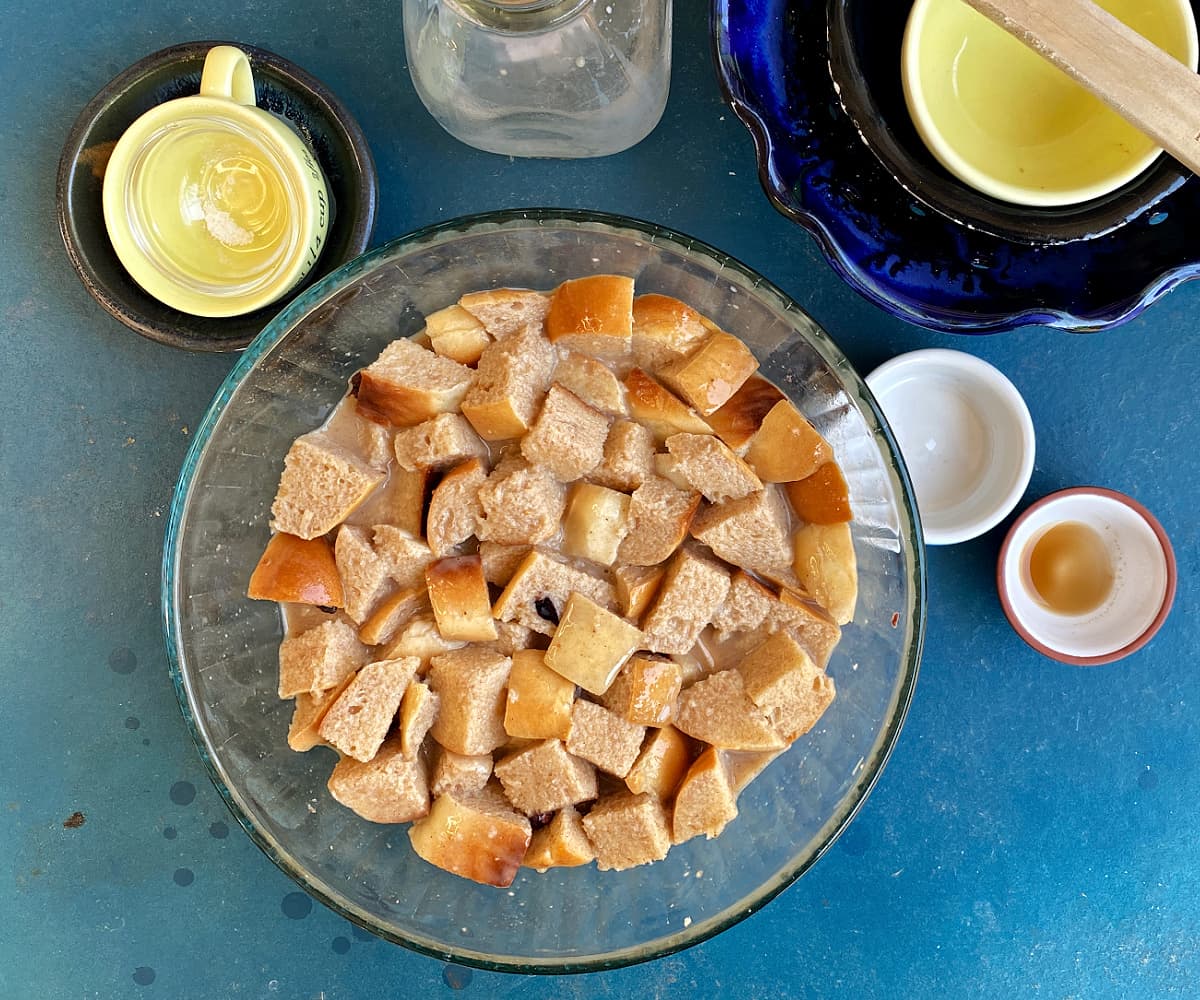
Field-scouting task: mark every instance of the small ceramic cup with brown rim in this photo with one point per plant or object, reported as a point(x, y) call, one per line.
point(1086, 576)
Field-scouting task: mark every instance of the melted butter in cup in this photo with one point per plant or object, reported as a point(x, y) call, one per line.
point(214, 206)
point(1004, 120)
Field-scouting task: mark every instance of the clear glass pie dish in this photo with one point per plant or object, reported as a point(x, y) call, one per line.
point(222, 647)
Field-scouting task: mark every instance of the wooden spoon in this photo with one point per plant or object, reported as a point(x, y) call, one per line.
point(1150, 89)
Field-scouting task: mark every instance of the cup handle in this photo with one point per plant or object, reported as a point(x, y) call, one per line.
point(227, 74)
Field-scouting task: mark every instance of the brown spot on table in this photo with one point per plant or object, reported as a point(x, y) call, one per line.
point(75, 820)
point(96, 158)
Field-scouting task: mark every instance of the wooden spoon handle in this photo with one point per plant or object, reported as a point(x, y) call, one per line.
point(1150, 89)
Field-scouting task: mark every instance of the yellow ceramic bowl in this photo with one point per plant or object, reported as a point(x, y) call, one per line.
point(1004, 120)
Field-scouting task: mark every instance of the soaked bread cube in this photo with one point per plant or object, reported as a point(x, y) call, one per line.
point(660, 411)
point(708, 376)
point(665, 329)
point(322, 485)
point(593, 315)
point(628, 457)
point(319, 659)
point(827, 568)
point(471, 686)
point(562, 843)
point(510, 384)
point(590, 644)
point(418, 710)
point(593, 382)
point(455, 334)
point(358, 721)
point(505, 311)
point(694, 587)
point(604, 738)
point(310, 709)
point(454, 508)
point(751, 533)
point(568, 436)
point(717, 710)
point(459, 774)
point(538, 592)
point(445, 440)
point(739, 419)
point(545, 777)
point(708, 466)
point(705, 801)
point(786, 447)
point(636, 588)
point(645, 690)
point(661, 765)
point(478, 836)
point(389, 788)
point(408, 384)
point(297, 571)
point(501, 561)
point(405, 556)
point(659, 518)
point(781, 678)
point(459, 595)
point(538, 704)
point(522, 504)
point(392, 614)
point(627, 830)
point(364, 573)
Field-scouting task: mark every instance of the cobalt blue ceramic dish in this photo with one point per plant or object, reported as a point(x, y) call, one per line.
point(771, 59)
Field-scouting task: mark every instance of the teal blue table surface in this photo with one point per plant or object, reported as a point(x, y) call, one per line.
point(1036, 833)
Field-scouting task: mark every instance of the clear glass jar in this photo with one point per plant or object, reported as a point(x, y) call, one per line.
point(560, 78)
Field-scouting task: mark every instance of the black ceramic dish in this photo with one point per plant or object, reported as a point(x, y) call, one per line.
point(865, 39)
point(283, 89)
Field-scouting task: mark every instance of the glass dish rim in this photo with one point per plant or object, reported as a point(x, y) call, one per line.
point(307, 302)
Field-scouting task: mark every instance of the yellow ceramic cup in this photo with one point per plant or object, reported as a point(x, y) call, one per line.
point(213, 205)
point(1007, 122)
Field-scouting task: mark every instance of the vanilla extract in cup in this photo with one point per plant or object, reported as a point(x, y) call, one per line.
point(1070, 568)
point(213, 205)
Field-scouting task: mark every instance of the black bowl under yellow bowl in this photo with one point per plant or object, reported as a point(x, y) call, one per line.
point(284, 89)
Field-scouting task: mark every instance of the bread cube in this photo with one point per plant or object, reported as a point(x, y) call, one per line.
point(538, 704)
point(522, 504)
point(454, 508)
point(593, 382)
point(694, 587)
point(593, 315)
point(645, 690)
point(446, 439)
point(477, 836)
point(405, 556)
point(455, 334)
point(303, 733)
point(461, 605)
point(712, 373)
point(358, 721)
point(661, 765)
point(562, 843)
point(810, 625)
point(420, 638)
point(513, 637)
point(364, 574)
point(751, 533)
point(636, 588)
point(658, 410)
point(408, 384)
point(665, 329)
point(391, 614)
point(604, 738)
point(628, 457)
point(827, 568)
point(501, 561)
point(596, 521)
point(745, 607)
point(458, 774)
point(510, 384)
point(471, 686)
point(709, 467)
point(705, 801)
point(568, 436)
point(389, 788)
point(298, 571)
point(544, 778)
point(418, 711)
point(590, 644)
point(627, 830)
point(370, 441)
point(739, 419)
point(400, 501)
point(822, 498)
point(322, 485)
point(537, 594)
point(786, 447)
point(659, 518)
point(781, 679)
point(319, 659)
point(717, 710)
point(505, 311)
